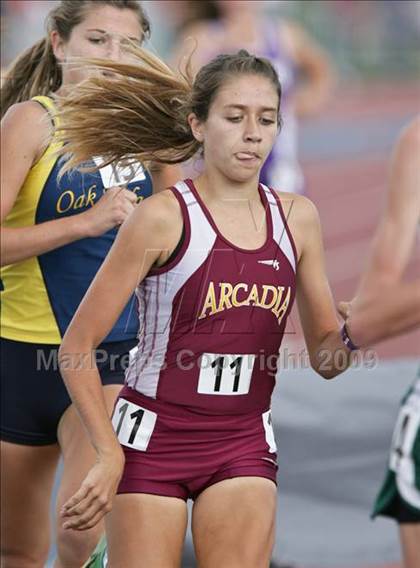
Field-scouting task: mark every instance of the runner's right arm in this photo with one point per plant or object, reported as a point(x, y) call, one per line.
point(385, 305)
point(146, 238)
point(25, 133)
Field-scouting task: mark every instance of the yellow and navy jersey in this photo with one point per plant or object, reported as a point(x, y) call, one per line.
point(41, 294)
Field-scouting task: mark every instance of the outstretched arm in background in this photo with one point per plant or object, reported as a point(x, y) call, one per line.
point(313, 64)
point(384, 305)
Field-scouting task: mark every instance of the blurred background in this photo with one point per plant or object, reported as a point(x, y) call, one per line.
point(367, 39)
point(333, 438)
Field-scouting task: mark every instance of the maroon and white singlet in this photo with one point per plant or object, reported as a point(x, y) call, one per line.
point(196, 405)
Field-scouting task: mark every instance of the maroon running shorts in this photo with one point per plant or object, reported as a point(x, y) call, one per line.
point(175, 451)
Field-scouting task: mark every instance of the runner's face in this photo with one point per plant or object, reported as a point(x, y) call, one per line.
point(241, 127)
point(102, 34)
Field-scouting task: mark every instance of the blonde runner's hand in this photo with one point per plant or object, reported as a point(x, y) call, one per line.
point(111, 210)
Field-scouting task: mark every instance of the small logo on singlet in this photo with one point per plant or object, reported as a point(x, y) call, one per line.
point(274, 263)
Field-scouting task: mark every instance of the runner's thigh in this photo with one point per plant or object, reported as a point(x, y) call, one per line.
point(233, 523)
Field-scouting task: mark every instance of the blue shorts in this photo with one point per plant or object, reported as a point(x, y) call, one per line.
point(33, 394)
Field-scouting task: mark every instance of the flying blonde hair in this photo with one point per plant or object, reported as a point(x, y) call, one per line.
point(138, 111)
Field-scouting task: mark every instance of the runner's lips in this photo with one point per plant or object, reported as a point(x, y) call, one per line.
point(247, 155)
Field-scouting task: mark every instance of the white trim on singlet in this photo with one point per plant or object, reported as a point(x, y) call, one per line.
point(156, 295)
point(280, 233)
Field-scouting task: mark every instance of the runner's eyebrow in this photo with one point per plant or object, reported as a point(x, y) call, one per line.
point(110, 33)
point(244, 107)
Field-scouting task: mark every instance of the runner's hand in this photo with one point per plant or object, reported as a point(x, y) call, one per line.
point(111, 210)
point(94, 498)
